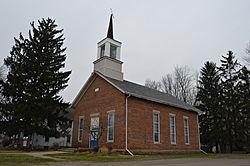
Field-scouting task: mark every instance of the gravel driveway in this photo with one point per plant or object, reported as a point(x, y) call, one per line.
point(170, 162)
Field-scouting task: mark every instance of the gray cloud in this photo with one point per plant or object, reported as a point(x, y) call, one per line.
point(156, 35)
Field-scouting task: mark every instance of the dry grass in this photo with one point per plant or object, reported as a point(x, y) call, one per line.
point(95, 157)
point(20, 159)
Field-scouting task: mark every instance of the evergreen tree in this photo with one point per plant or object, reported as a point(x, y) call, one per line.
point(229, 71)
point(208, 101)
point(242, 134)
point(223, 96)
point(34, 80)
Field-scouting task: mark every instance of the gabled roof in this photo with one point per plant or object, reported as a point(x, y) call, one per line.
point(138, 91)
point(143, 92)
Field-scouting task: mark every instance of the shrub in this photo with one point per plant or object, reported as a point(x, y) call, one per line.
point(6, 142)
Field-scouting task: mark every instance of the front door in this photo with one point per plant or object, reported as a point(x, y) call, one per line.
point(94, 132)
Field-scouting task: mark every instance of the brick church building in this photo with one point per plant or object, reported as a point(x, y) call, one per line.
point(122, 115)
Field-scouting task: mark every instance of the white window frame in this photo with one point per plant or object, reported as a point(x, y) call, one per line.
point(186, 131)
point(108, 127)
point(159, 127)
point(170, 129)
point(80, 129)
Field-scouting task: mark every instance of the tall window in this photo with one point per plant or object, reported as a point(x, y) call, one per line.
point(186, 131)
point(156, 127)
point(112, 51)
point(80, 129)
point(172, 129)
point(102, 50)
point(46, 139)
point(111, 122)
point(68, 138)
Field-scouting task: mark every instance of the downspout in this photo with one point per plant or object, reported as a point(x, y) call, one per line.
point(202, 151)
point(126, 128)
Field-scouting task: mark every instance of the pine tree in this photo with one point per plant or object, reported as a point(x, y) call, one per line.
point(242, 134)
point(2, 77)
point(223, 96)
point(229, 71)
point(208, 101)
point(34, 81)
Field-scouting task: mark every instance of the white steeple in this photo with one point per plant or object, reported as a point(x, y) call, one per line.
point(108, 55)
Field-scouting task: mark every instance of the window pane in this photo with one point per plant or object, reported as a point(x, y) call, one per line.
point(80, 130)
point(111, 119)
point(172, 138)
point(156, 117)
point(156, 137)
point(172, 121)
point(172, 130)
point(156, 125)
point(186, 131)
point(111, 131)
point(80, 135)
point(81, 123)
point(110, 127)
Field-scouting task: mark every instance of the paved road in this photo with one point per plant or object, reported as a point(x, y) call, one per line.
point(170, 162)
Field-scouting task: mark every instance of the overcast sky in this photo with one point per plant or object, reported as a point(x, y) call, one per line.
point(156, 35)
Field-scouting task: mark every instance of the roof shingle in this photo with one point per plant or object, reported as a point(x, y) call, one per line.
point(140, 91)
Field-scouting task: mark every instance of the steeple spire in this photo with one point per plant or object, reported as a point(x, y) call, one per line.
point(108, 60)
point(110, 29)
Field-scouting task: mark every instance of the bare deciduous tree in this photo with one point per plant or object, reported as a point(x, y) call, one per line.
point(153, 84)
point(181, 84)
point(2, 77)
point(167, 84)
point(247, 57)
point(2, 72)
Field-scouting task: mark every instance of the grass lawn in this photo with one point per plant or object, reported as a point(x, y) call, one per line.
point(20, 159)
point(10, 151)
point(93, 157)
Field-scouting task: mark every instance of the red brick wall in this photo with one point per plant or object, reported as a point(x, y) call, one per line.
point(140, 126)
point(106, 99)
point(140, 120)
